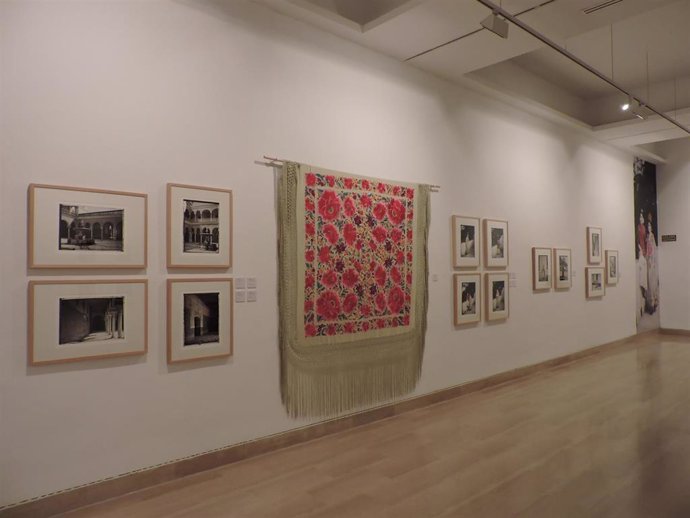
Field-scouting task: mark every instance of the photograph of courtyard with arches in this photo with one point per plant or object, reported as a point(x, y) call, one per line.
point(83, 227)
point(201, 233)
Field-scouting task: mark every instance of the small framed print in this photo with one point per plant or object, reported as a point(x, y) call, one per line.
point(611, 267)
point(497, 302)
point(199, 227)
point(541, 268)
point(467, 298)
point(562, 268)
point(85, 320)
point(200, 319)
point(594, 245)
point(595, 282)
point(72, 227)
point(466, 242)
point(495, 243)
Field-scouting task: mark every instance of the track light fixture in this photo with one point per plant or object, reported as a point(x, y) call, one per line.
point(496, 25)
point(627, 104)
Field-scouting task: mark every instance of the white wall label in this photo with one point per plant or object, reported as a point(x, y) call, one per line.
point(251, 295)
point(240, 283)
point(251, 283)
point(240, 296)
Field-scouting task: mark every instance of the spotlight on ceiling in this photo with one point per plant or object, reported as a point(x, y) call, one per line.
point(625, 106)
point(496, 25)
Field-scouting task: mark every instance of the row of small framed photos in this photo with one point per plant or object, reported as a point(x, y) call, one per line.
point(467, 242)
point(71, 227)
point(92, 319)
point(467, 297)
point(559, 276)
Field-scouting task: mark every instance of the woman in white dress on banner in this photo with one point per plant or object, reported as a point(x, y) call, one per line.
point(652, 271)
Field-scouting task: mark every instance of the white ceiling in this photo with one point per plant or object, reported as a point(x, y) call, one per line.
point(445, 37)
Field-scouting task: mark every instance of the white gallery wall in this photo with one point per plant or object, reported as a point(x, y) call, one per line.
point(673, 192)
point(129, 95)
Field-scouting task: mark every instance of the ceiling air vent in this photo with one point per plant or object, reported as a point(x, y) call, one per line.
point(599, 7)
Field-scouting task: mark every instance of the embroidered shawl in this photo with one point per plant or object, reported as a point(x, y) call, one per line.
point(352, 289)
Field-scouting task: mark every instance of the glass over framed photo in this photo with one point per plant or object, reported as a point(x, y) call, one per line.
point(496, 296)
point(594, 245)
point(466, 242)
point(200, 319)
point(71, 227)
point(467, 298)
point(86, 320)
point(199, 227)
point(595, 282)
point(611, 267)
point(541, 268)
point(495, 243)
point(562, 268)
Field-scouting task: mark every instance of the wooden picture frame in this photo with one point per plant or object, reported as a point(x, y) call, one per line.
point(612, 267)
point(75, 227)
point(200, 319)
point(595, 245)
point(495, 243)
point(80, 320)
point(497, 296)
point(595, 283)
point(467, 298)
point(542, 268)
point(199, 227)
point(466, 242)
point(562, 268)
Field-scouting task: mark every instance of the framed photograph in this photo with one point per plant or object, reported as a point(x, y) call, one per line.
point(466, 242)
point(200, 322)
point(611, 267)
point(595, 282)
point(495, 243)
point(497, 303)
point(71, 227)
point(86, 320)
point(199, 227)
point(467, 298)
point(562, 268)
point(541, 268)
point(594, 245)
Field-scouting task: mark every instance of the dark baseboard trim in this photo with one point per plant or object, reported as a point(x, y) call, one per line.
point(99, 491)
point(677, 332)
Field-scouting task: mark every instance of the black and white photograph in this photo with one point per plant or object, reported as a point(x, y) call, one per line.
point(467, 298)
point(498, 301)
point(594, 245)
point(199, 227)
point(496, 294)
point(541, 268)
point(91, 228)
point(562, 268)
point(201, 232)
point(595, 282)
point(611, 267)
point(466, 249)
point(496, 243)
point(91, 319)
point(200, 318)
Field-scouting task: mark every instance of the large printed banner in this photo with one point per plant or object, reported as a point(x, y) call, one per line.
point(646, 240)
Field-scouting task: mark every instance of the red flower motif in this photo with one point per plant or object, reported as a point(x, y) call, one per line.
point(329, 205)
point(380, 234)
point(365, 200)
point(331, 233)
point(380, 323)
point(310, 330)
point(311, 179)
point(380, 275)
point(350, 208)
point(410, 194)
point(309, 204)
point(395, 275)
point(309, 281)
point(380, 302)
point(350, 277)
point(372, 245)
point(350, 233)
point(381, 187)
point(308, 306)
point(408, 278)
point(309, 229)
point(396, 211)
point(350, 303)
point(329, 279)
point(396, 235)
point(325, 254)
point(400, 258)
point(379, 211)
point(348, 183)
point(409, 235)
point(359, 244)
point(328, 305)
point(396, 300)
point(410, 214)
point(309, 256)
point(330, 330)
point(365, 185)
point(365, 310)
point(409, 257)
point(365, 326)
point(331, 180)
point(396, 190)
point(406, 320)
point(349, 327)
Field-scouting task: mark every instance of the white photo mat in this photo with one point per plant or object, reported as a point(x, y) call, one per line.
point(596, 285)
point(466, 251)
point(177, 257)
point(44, 228)
point(562, 268)
point(177, 350)
point(44, 320)
point(496, 294)
point(467, 310)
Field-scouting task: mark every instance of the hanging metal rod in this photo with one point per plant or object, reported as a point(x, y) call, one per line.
point(497, 9)
point(273, 162)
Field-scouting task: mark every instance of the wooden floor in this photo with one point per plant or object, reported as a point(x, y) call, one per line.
point(605, 436)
